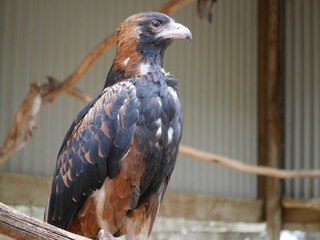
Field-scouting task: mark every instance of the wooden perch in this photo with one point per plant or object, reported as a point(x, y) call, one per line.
point(41, 94)
point(20, 226)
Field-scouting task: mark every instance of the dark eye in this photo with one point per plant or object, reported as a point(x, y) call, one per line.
point(155, 24)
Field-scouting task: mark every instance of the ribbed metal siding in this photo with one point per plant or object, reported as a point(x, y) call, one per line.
point(302, 71)
point(219, 97)
point(218, 73)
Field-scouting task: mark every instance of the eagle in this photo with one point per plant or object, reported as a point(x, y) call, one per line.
point(116, 160)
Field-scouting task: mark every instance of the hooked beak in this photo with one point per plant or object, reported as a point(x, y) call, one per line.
point(175, 30)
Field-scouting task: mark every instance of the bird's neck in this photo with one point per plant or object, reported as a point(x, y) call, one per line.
point(134, 62)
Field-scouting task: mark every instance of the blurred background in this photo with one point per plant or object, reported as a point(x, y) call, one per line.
point(225, 92)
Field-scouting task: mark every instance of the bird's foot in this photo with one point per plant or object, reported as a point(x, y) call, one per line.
point(103, 235)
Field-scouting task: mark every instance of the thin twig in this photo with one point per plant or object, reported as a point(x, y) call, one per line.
point(75, 92)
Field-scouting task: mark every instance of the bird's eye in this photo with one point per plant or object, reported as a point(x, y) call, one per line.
point(155, 24)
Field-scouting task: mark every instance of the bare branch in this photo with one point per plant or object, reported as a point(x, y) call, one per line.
point(240, 166)
point(20, 226)
point(23, 124)
point(173, 6)
point(80, 71)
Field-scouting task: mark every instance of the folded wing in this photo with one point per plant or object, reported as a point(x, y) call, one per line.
point(98, 138)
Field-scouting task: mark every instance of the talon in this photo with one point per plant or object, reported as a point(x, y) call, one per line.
point(130, 236)
point(103, 235)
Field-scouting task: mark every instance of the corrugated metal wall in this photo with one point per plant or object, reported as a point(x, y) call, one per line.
point(219, 97)
point(218, 73)
point(302, 73)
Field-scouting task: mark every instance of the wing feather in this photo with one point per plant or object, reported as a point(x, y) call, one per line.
point(91, 150)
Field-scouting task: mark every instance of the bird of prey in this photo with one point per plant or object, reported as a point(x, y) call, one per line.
point(116, 160)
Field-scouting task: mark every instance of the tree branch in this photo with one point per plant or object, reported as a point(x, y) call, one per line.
point(23, 125)
point(243, 167)
point(56, 90)
point(20, 226)
point(173, 6)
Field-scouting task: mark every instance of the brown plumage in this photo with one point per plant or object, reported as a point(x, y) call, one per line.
point(116, 160)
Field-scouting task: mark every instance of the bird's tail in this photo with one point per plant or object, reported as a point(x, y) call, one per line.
point(45, 217)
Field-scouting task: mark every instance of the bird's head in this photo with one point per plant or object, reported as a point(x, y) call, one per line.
point(143, 39)
point(149, 33)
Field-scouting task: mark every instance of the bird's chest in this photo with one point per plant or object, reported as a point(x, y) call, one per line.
point(160, 119)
